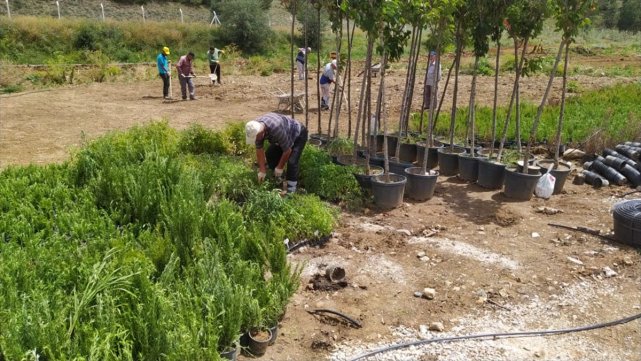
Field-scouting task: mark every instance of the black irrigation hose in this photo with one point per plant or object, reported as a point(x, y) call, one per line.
point(501, 335)
point(310, 242)
point(627, 194)
point(325, 310)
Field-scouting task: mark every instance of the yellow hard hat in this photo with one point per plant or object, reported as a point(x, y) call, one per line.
point(165, 50)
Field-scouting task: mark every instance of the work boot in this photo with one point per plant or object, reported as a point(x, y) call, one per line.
point(193, 98)
point(291, 187)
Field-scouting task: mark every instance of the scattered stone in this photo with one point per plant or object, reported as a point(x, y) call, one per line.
point(609, 272)
point(535, 235)
point(573, 154)
point(418, 294)
point(423, 328)
point(425, 259)
point(503, 293)
point(627, 261)
point(575, 261)
point(456, 289)
point(579, 179)
point(548, 210)
point(404, 231)
point(429, 293)
point(421, 254)
point(437, 326)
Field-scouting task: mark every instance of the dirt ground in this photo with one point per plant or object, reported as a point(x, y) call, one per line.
point(495, 265)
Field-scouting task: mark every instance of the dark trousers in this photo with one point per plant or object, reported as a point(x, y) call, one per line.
point(427, 97)
point(274, 152)
point(215, 69)
point(165, 84)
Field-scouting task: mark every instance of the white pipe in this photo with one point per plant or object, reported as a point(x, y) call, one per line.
point(143, 13)
point(58, 6)
point(102, 9)
point(181, 15)
point(8, 10)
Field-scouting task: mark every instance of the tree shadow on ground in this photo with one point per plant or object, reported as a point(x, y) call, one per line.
point(459, 197)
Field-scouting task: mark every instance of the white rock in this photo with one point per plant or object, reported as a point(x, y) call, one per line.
point(575, 261)
point(535, 235)
point(423, 328)
point(609, 272)
point(425, 259)
point(429, 293)
point(421, 254)
point(404, 231)
point(437, 326)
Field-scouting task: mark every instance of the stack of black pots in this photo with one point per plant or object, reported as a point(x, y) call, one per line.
point(620, 166)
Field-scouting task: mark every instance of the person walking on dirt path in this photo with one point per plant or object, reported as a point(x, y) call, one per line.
point(287, 138)
point(213, 55)
point(163, 71)
point(328, 77)
point(185, 75)
point(430, 82)
point(301, 61)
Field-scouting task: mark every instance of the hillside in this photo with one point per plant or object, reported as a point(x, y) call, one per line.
point(165, 11)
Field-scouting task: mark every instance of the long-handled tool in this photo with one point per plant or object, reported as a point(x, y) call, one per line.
point(594, 232)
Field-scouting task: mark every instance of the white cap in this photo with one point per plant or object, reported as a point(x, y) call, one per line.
point(309, 49)
point(252, 128)
point(334, 63)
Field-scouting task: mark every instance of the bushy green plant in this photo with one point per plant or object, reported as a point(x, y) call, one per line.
point(340, 146)
point(198, 140)
point(246, 25)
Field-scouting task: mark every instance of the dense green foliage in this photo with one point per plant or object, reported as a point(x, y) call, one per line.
point(150, 244)
point(614, 109)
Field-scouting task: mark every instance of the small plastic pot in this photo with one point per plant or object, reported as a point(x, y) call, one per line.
point(230, 354)
point(257, 342)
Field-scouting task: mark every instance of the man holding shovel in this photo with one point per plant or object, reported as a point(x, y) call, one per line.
point(163, 71)
point(185, 75)
point(287, 138)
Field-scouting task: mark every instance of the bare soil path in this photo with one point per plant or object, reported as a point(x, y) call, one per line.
point(495, 265)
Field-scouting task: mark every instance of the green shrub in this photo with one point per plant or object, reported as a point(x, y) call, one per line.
point(198, 140)
point(246, 25)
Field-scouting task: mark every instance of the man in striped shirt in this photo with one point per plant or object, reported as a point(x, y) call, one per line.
point(287, 138)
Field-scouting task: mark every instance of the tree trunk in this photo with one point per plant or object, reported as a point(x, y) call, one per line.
point(291, 58)
point(350, 37)
point(459, 50)
point(496, 94)
point(360, 119)
point(472, 104)
point(318, 68)
point(562, 111)
point(509, 109)
point(440, 102)
point(539, 111)
point(517, 105)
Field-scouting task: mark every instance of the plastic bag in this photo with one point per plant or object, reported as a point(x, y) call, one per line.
point(545, 186)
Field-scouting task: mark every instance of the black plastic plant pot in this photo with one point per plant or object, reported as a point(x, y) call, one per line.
point(561, 173)
point(324, 138)
point(594, 179)
point(365, 180)
point(274, 334)
point(397, 167)
point(448, 160)
point(519, 186)
point(627, 222)
point(315, 142)
point(491, 174)
point(391, 145)
point(388, 190)
point(468, 167)
point(377, 159)
point(420, 186)
point(257, 342)
point(432, 159)
point(379, 141)
point(230, 354)
point(349, 160)
point(633, 175)
point(408, 153)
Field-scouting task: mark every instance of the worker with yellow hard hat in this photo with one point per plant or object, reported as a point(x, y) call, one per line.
point(163, 71)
